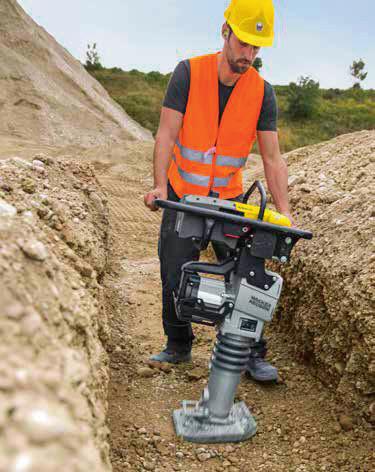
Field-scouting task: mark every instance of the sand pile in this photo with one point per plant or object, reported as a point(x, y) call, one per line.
point(46, 95)
point(53, 368)
point(328, 302)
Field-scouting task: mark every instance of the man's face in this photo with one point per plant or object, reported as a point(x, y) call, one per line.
point(240, 55)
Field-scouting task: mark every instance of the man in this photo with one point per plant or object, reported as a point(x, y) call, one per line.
point(215, 108)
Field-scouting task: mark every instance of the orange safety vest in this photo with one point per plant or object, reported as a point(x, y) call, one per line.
point(209, 156)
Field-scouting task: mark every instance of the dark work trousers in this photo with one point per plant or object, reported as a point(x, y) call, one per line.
point(174, 252)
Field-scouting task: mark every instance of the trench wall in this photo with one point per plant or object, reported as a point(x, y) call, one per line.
point(328, 301)
point(53, 367)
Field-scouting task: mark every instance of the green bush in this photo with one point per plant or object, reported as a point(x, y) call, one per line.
point(156, 78)
point(302, 98)
point(116, 69)
point(332, 94)
point(142, 109)
point(357, 70)
point(258, 63)
point(92, 58)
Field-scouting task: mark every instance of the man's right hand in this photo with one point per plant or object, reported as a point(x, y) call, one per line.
point(150, 197)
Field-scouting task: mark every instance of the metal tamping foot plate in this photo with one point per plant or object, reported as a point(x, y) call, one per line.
point(241, 426)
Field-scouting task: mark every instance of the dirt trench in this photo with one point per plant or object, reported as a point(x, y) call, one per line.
point(301, 427)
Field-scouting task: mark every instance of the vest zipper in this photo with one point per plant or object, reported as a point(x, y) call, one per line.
point(210, 185)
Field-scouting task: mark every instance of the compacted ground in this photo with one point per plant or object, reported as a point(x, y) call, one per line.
point(300, 426)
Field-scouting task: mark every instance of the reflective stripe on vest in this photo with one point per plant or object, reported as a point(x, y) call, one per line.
point(195, 179)
point(207, 157)
point(222, 181)
point(196, 156)
point(202, 180)
point(228, 161)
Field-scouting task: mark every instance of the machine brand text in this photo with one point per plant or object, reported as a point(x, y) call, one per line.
point(263, 305)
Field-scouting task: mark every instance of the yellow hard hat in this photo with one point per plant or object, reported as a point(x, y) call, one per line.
point(252, 21)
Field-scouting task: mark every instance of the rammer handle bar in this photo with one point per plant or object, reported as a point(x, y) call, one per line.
point(222, 216)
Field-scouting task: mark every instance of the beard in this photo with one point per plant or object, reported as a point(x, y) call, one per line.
point(240, 66)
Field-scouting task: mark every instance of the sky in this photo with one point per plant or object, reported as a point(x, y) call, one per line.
point(316, 38)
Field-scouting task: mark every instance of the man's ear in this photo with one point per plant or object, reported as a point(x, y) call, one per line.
point(225, 32)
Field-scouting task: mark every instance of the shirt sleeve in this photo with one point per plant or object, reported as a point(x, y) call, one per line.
point(177, 93)
point(268, 115)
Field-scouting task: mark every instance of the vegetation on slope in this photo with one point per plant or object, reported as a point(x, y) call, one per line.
point(335, 112)
point(141, 95)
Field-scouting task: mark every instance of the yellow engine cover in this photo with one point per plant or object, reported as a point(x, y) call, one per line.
point(270, 216)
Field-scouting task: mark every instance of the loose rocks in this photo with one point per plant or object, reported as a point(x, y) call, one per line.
point(6, 209)
point(34, 249)
point(44, 424)
point(145, 372)
point(346, 422)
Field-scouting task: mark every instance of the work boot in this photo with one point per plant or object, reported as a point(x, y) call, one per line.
point(260, 370)
point(173, 354)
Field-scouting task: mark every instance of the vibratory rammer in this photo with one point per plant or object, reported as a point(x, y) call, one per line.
point(237, 296)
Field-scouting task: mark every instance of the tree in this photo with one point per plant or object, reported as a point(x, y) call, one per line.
point(92, 58)
point(303, 98)
point(258, 63)
point(357, 71)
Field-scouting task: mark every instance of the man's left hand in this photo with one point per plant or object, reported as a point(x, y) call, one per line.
point(288, 215)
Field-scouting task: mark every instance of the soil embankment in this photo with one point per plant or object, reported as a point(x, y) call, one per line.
point(47, 97)
point(53, 367)
point(328, 303)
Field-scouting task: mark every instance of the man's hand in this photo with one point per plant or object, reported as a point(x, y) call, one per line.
point(288, 215)
point(276, 171)
point(150, 197)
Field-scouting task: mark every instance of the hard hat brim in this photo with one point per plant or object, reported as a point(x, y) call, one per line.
point(252, 39)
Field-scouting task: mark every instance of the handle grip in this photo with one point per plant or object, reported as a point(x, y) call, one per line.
point(263, 197)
